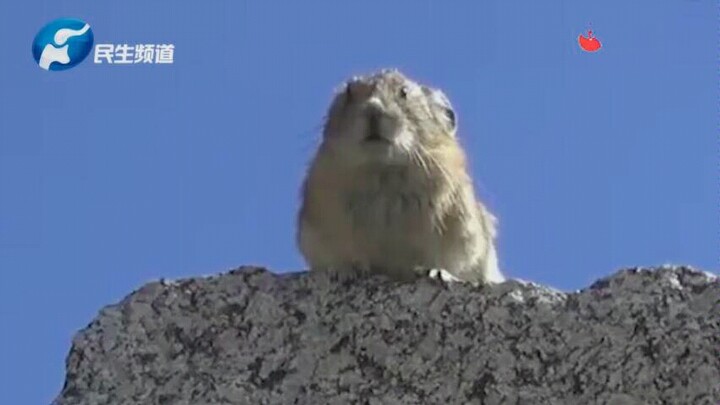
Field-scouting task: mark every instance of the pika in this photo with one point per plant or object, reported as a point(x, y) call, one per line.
point(388, 189)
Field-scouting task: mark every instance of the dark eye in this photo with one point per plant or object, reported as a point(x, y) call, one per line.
point(450, 114)
point(404, 91)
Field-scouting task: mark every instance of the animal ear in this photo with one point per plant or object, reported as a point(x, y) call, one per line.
point(441, 107)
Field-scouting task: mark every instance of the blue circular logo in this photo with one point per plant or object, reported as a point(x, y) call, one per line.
point(62, 44)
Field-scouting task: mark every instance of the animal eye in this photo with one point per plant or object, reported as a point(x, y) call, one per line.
point(404, 91)
point(450, 114)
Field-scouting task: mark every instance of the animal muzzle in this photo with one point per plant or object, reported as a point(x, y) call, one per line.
point(377, 125)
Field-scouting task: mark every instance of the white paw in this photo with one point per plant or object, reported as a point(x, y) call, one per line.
point(442, 275)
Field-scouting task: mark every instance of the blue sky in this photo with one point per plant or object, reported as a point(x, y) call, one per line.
point(113, 176)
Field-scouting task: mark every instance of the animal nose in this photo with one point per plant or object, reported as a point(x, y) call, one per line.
point(374, 120)
point(374, 104)
point(374, 109)
point(374, 117)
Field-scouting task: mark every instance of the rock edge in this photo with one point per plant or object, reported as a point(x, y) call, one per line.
point(640, 336)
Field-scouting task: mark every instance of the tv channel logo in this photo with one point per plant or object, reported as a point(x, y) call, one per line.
point(62, 44)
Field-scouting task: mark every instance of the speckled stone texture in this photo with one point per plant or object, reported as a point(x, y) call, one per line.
point(641, 336)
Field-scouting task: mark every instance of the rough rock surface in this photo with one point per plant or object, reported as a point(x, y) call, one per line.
point(641, 336)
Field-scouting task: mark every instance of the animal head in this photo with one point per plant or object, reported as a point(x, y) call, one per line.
point(387, 118)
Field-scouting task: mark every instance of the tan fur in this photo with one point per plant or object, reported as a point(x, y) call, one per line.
point(400, 202)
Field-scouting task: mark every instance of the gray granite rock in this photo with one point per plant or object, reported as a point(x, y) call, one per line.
point(641, 336)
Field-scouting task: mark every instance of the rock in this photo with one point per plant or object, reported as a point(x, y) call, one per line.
point(641, 336)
